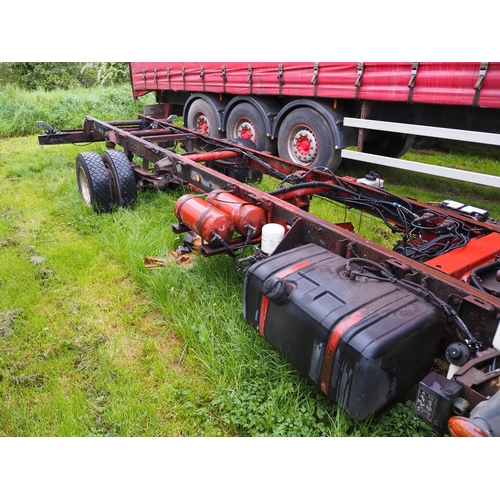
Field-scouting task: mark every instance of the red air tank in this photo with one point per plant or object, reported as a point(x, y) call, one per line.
point(242, 213)
point(203, 219)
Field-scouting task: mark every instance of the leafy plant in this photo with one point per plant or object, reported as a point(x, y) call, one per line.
point(46, 75)
point(50, 76)
point(111, 73)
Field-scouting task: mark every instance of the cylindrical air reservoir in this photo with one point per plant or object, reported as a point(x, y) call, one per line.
point(241, 212)
point(203, 219)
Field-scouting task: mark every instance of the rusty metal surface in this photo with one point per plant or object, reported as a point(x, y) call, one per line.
point(164, 167)
point(480, 376)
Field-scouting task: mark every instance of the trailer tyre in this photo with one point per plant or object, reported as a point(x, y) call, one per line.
point(389, 144)
point(202, 117)
point(121, 174)
point(245, 122)
point(93, 182)
point(306, 138)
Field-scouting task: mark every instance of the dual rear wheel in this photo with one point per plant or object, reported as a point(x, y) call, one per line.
point(107, 181)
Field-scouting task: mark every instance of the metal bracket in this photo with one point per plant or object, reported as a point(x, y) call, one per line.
point(413, 77)
point(362, 133)
point(361, 67)
point(202, 76)
point(50, 129)
point(280, 76)
point(477, 87)
point(224, 78)
point(314, 79)
point(250, 77)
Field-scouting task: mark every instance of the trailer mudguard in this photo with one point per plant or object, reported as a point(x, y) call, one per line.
point(343, 136)
point(266, 107)
point(216, 102)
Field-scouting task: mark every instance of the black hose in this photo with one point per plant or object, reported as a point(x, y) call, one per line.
point(474, 275)
point(368, 262)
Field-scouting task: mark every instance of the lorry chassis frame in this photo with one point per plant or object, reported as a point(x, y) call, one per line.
point(207, 164)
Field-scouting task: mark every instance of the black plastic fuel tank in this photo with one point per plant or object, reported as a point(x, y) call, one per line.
point(363, 342)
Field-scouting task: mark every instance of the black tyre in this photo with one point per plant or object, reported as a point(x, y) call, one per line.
point(245, 122)
point(202, 117)
point(389, 144)
point(306, 138)
point(93, 182)
point(121, 174)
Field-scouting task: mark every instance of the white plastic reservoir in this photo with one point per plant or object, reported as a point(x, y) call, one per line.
point(496, 338)
point(272, 234)
point(371, 181)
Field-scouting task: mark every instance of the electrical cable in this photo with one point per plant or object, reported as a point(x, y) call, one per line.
point(417, 289)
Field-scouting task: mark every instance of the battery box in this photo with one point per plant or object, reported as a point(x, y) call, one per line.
point(478, 213)
point(362, 342)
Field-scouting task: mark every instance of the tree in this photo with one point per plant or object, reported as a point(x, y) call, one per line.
point(62, 75)
point(111, 73)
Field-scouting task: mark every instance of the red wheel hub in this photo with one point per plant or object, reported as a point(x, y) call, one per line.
point(202, 125)
point(303, 146)
point(245, 129)
point(245, 133)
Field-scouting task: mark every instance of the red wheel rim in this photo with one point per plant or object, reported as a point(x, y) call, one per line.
point(302, 145)
point(203, 125)
point(245, 129)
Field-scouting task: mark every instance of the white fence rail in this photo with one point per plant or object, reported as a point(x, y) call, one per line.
point(419, 130)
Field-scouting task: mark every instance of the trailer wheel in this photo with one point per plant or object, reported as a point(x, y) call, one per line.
point(389, 144)
point(93, 182)
point(306, 138)
point(245, 122)
point(121, 174)
point(202, 118)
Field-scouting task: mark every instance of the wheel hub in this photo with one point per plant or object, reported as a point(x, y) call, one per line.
point(246, 130)
point(203, 125)
point(303, 145)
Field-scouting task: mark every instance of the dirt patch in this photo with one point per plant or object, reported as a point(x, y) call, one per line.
point(37, 259)
point(7, 242)
point(7, 321)
point(32, 380)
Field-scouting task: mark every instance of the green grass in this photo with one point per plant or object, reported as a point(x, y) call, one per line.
point(94, 344)
point(83, 352)
point(64, 109)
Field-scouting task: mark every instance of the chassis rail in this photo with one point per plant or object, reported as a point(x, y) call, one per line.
point(206, 164)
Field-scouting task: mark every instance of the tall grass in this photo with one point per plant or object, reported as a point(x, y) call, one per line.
point(63, 109)
point(255, 391)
